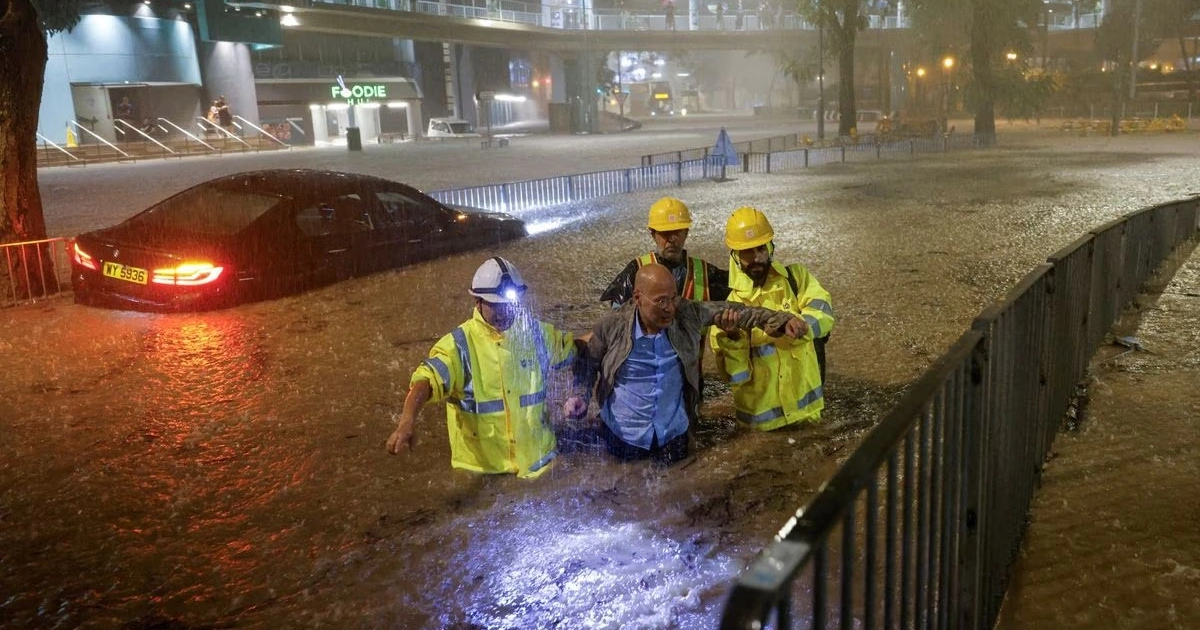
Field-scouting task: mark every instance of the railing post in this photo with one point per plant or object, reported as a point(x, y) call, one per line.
point(966, 614)
point(504, 197)
point(679, 173)
point(806, 157)
point(628, 181)
point(843, 154)
point(746, 162)
point(768, 162)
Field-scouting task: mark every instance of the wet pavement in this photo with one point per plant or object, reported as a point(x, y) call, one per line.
point(228, 469)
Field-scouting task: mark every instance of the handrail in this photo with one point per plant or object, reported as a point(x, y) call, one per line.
point(51, 143)
point(188, 134)
point(144, 135)
point(263, 132)
point(223, 130)
point(931, 505)
point(94, 135)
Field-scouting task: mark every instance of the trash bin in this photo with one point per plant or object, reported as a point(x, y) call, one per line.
point(353, 138)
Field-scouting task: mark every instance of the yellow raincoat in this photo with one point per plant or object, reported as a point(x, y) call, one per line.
point(494, 386)
point(776, 380)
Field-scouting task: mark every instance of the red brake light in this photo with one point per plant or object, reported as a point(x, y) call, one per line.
point(81, 257)
point(188, 274)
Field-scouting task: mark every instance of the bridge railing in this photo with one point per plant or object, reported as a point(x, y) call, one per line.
point(921, 525)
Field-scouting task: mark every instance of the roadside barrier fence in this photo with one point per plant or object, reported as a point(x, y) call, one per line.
point(921, 525)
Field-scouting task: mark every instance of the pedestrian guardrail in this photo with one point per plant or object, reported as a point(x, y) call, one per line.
point(33, 270)
point(921, 525)
point(549, 191)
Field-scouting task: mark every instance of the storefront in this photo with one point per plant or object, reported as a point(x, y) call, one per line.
point(318, 111)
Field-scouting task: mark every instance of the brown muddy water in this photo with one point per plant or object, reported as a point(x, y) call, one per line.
point(228, 469)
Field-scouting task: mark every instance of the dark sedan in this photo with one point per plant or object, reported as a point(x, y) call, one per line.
point(265, 234)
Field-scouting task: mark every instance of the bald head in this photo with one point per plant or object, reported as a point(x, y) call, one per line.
point(654, 293)
point(653, 279)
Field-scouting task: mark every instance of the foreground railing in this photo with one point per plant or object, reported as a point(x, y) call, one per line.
point(33, 270)
point(921, 525)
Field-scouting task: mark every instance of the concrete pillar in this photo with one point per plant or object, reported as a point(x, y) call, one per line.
point(367, 117)
point(416, 123)
point(226, 69)
point(694, 15)
point(320, 129)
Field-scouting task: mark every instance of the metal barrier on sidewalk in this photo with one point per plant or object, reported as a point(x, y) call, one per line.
point(33, 270)
point(921, 525)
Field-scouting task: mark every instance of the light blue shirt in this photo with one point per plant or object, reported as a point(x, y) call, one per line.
point(647, 398)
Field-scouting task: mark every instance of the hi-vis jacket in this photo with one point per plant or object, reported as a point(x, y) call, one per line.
point(694, 278)
point(776, 380)
point(494, 386)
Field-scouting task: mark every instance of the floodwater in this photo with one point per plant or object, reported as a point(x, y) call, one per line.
point(228, 469)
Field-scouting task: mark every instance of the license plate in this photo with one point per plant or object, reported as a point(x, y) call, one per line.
point(122, 272)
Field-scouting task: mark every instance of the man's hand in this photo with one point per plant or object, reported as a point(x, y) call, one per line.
point(575, 407)
point(727, 320)
point(795, 328)
point(401, 439)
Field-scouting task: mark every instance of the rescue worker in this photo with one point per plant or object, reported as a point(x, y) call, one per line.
point(492, 372)
point(776, 381)
point(647, 357)
point(669, 222)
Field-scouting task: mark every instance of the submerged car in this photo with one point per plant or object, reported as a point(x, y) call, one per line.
point(265, 234)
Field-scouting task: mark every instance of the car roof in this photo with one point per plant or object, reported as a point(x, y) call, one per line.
point(287, 181)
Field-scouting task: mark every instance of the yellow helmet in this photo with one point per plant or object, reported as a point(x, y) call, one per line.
point(669, 214)
point(747, 228)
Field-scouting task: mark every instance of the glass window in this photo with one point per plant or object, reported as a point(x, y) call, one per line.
point(207, 210)
point(409, 213)
point(346, 214)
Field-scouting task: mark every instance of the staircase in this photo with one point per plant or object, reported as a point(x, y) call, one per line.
point(132, 151)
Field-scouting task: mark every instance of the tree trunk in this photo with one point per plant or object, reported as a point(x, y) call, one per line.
point(23, 49)
point(847, 110)
point(981, 64)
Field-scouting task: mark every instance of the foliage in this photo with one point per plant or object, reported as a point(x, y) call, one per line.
point(60, 15)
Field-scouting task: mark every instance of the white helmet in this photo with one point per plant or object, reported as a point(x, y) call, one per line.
point(498, 281)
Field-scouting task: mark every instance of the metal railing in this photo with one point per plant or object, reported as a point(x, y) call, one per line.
point(125, 127)
point(263, 133)
point(549, 191)
point(33, 270)
point(866, 149)
point(79, 127)
point(920, 526)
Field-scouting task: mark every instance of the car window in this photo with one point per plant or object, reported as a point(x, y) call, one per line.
point(415, 216)
point(207, 210)
point(345, 214)
point(441, 126)
point(460, 127)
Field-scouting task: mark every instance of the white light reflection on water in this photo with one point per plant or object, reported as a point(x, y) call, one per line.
point(557, 565)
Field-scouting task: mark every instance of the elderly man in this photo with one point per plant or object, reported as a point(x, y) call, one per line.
point(491, 371)
point(647, 355)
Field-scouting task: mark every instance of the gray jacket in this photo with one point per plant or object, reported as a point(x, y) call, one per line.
point(612, 341)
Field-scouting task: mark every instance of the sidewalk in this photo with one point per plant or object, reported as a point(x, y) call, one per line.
point(1114, 538)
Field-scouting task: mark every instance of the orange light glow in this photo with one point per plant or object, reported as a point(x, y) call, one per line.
point(537, 83)
point(188, 274)
point(82, 258)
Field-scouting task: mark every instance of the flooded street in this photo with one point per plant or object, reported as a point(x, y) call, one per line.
point(228, 469)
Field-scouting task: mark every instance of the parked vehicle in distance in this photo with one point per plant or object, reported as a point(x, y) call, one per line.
point(265, 234)
point(450, 128)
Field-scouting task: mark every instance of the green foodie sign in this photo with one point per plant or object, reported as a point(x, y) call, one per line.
point(358, 94)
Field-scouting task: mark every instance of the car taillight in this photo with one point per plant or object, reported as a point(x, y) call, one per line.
point(188, 274)
point(82, 258)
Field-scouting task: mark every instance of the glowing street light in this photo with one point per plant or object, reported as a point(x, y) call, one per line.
point(1012, 56)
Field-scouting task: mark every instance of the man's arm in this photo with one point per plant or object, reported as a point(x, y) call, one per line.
point(620, 290)
point(732, 317)
point(401, 438)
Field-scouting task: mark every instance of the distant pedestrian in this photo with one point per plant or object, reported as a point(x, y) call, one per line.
point(721, 16)
point(739, 22)
point(125, 109)
point(670, 14)
point(224, 116)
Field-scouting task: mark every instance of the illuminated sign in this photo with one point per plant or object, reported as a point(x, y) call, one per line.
point(661, 96)
point(358, 94)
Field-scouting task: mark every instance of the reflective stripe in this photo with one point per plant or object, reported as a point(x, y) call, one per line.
point(740, 377)
point(443, 372)
point(541, 463)
point(820, 305)
point(469, 405)
point(528, 400)
point(762, 351)
point(699, 274)
point(813, 325)
point(811, 397)
point(765, 416)
point(464, 357)
point(646, 259)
